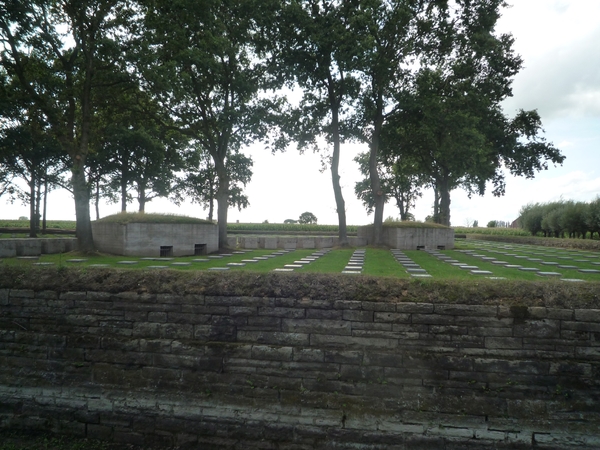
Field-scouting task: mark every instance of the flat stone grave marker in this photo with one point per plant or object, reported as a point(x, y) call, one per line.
point(301, 262)
point(488, 258)
point(239, 253)
point(218, 268)
point(414, 270)
point(127, 262)
point(589, 270)
point(293, 266)
point(200, 260)
point(41, 263)
point(28, 257)
point(410, 264)
point(549, 274)
point(98, 265)
point(529, 269)
point(534, 259)
point(355, 263)
point(513, 266)
point(181, 264)
point(351, 271)
point(215, 256)
point(420, 275)
point(521, 257)
point(496, 278)
point(281, 269)
point(581, 260)
point(355, 268)
point(250, 260)
point(573, 280)
point(240, 264)
point(260, 258)
point(458, 264)
point(270, 256)
point(469, 267)
point(550, 263)
point(564, 257)
point(567, 266)
point(481, 272)
point(596, 263)
point(499, 262)
point(278, 253)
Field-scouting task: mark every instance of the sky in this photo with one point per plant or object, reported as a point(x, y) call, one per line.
point(558, 41)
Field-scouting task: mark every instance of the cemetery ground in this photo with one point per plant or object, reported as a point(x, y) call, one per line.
point(469, 260)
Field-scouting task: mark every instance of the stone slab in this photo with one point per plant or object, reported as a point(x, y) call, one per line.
point(481, 272)
point(218, 268)
point(549, 274)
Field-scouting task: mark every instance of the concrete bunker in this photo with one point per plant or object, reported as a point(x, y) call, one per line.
point(155, 235)
point(411, 236)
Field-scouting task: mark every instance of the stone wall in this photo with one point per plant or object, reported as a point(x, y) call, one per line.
point(10, 248)
point(146, 239)
point(411, 238)
point(298, 373)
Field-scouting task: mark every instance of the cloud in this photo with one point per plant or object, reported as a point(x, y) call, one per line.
point(560, 76)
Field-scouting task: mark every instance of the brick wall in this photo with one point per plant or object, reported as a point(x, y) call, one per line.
point(285, 373)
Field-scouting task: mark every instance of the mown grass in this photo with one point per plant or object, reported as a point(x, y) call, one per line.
point(138, 217)
point(378, 262)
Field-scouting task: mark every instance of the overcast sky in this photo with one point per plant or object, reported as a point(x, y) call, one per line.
point(558, 41)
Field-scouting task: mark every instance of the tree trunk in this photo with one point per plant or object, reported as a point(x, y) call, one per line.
point(222, 197)
point(436, 203)
point(123, 195)
point(97, 201)
point(444, 203)
point(142, 198)
point(335, 177)
point(32, 218)
point(374, 176)
point(44, 210)
point(83, 227)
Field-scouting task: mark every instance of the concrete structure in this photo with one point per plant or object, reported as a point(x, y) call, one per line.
point(156, 239)
point(412, 238)
point(290, 242)
point(10, 248)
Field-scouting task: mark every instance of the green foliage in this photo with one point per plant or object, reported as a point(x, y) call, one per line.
point(475, 223)
point(559, 219)
point(492, 224)
point(125, 218)
point(307, 218)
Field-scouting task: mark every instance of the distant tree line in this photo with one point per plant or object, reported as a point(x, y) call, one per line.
point(562, 219)
point(129, 100)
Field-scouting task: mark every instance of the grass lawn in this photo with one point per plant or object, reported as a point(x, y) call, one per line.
point(378, 262)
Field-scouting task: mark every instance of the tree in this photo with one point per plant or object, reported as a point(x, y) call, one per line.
point(307, 218)
point(29, 153)
point(451, 121)
point(58, 51)
point(201, 61)
point(398, 180)
point(592, 217)
point(395, 35)
point(201, 182)
point(316, 44)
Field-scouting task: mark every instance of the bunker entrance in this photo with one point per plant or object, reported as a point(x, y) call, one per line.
point(200, 249)
point(166, 250)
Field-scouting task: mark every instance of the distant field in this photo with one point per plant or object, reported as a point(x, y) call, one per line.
point(59, 224)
